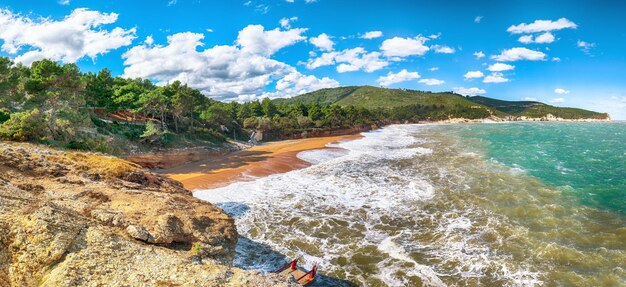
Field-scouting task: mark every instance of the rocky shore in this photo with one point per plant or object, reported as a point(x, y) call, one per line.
point(81, 219)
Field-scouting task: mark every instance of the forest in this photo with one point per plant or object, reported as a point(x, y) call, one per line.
point(57, 104)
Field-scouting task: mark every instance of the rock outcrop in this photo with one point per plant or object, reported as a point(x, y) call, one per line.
point(81, 219)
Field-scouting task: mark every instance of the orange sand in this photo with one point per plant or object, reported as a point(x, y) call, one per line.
point(246, 165)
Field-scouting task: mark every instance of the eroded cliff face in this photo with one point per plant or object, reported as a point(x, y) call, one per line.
point(79, 219)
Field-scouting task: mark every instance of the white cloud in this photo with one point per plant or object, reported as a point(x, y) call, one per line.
point(77, 36)
point(398, 77)
point(556, 100)
point(171, 2)
point(255, 40)
point(495, 78)
point(585, 46)
point(541, 26)
point(556, 59)
point(349, 60)
point(149, 40)
point(404, 47)
point(433, 69)
point(530, 99)
point(526, 39)
point(561, 91)
point(517, 54)
point(432, 82)
point(499, 67)
point(286, 22)
point(372, 35)
point(434, 36)
point(478, 19)
point(223, 72)
point(64, 2)
point(442, 49)
point(295, 83)
point(544, 38)
point(479, 54)
point(323, 42)
point(473, 75)
point(469, 91)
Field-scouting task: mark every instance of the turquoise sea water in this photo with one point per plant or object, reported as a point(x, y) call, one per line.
point(585, 160)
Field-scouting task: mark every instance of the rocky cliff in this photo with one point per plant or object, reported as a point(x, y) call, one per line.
point(80, 219)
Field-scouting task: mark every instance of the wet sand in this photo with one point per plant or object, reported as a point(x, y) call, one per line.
point(247, 165)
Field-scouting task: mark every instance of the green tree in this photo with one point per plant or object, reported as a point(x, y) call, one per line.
point(56, 87)
point(24, 126)
point(269, 108)
point(99, 89)
point(156, 103)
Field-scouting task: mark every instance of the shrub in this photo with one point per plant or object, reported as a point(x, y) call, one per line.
point(24, 126)
point(5, 115)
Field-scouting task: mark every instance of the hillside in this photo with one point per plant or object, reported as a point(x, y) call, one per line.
point(534, 109)
point(372, 97)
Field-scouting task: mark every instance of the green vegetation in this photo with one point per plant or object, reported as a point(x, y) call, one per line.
point(536, 109)
point(60, 106)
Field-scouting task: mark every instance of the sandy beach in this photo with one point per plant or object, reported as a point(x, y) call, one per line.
point(246, 165)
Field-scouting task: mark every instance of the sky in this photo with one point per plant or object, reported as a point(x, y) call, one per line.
point(565, 53)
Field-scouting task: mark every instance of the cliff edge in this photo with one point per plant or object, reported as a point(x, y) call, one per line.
point(82, 219)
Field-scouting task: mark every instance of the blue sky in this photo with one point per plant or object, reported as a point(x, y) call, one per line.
point(567, 53)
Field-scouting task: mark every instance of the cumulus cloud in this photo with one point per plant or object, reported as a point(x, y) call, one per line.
point(254, 39)
point(323, 42)
point(473, 75)
point(372, 35)
point(544, 38)
point(286, 22)
point(78, 35)
point(542, 26)
point(585, 46)
point(517, 54)
point(477, 19)
point(349, 60)
point(479, 54)
point(561, 91)
point(495, 78)
point(432, 82)
point(499, 67)
point(469, 91)
point(149, 40)
point(64, 2)
point(227, 72)
point(398, 77)
point(433, 69)
point(442, 49)
point(404, 47)
point(295, 83)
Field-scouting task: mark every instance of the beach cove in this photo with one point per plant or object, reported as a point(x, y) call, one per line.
point(432, 205)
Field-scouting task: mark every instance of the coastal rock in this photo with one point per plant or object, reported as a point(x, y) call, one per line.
point(123, 227)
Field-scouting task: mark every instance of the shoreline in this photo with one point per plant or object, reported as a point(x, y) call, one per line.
point(249, 164)
point(224, 167)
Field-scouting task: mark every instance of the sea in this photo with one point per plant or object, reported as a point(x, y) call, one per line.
point(490, 204)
